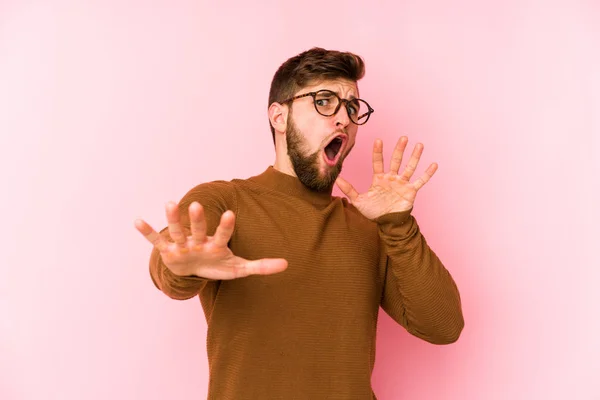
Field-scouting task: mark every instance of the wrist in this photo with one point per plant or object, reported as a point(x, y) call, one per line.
point(394, 217)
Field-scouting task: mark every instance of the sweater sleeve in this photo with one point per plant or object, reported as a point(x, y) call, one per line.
point(419, 292)
point(215, 198)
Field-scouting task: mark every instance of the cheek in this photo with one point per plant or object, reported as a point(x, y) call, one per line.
point(352, 129)
point(314, 130)
point(352, 133)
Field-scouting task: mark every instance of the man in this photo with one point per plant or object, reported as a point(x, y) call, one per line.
point(291, 278)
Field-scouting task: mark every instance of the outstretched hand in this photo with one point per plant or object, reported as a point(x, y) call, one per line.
point(201, 255)
point(389, 192)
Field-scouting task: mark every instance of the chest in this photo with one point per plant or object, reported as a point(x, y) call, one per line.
point(329, 248)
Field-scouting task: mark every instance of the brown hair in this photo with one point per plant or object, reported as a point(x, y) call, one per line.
point(312, 66)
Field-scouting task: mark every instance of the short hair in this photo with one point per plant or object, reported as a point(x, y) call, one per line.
point(312, 66)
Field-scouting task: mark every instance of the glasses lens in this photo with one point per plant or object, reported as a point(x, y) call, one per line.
point(358, 110)
point(326, 102)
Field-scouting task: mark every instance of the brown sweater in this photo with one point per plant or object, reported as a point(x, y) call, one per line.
point(309, 331)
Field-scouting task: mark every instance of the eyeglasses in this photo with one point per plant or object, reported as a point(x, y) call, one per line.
point(327, 103)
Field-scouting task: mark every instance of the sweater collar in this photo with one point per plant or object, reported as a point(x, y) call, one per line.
point(290, 185)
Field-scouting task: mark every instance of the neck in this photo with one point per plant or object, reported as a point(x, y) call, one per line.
point(282, 160)
point(284, 165)
point(290, 185)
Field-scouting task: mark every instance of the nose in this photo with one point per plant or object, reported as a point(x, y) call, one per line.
point(342, 119)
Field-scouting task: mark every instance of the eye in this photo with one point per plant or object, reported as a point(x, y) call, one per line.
point(322, 102)
point(353, 107)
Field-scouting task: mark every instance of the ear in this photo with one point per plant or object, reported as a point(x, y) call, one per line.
point(278, 114)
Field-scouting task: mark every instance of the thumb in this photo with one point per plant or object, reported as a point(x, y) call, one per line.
point(347, 188)
point(264, 266)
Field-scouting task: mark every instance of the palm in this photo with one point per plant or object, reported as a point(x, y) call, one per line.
point(201, 255)
point(389, 192)
point(210, 260)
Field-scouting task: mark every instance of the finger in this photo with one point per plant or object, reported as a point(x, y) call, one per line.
point(225, 229)
point(397, 155)
point(347, 188)
point(197, 224)
point(151, 235)
point(419, 183)
point(175, 228)
point(378, 157)
point(413, 162)
point(265, 266)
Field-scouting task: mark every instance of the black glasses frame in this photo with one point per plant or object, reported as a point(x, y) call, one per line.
point(340, 102)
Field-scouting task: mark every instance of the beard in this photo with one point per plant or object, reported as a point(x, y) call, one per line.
point(307, 168)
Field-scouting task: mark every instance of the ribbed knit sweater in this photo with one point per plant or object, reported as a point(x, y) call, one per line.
point(309, 332)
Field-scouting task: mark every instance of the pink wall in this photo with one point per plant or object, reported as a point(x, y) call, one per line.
point(108, 109)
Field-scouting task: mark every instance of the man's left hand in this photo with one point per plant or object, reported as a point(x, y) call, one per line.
point(389, 192)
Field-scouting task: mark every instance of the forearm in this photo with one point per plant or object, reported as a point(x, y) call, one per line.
point(420, 293)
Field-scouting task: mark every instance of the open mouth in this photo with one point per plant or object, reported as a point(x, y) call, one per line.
point(333, 150)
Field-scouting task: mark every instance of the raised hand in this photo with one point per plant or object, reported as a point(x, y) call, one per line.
point(200, 255)
point(389, 192)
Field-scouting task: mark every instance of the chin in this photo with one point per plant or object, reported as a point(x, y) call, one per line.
point(317, 176)
point(317, 171)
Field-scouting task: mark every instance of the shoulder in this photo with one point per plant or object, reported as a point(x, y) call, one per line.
point(219, 194)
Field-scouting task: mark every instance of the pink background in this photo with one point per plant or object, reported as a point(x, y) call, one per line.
point(108, 109)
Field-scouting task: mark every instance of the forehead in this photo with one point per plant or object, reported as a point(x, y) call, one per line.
point(343, 87)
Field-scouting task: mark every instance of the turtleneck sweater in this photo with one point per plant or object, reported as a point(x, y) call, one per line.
point(309, 332)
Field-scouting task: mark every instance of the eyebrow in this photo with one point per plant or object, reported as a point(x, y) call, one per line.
point(352, 97)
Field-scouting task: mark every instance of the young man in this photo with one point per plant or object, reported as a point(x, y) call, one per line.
point(291, 278)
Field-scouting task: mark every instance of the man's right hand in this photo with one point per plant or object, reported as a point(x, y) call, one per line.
point(204, 256)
